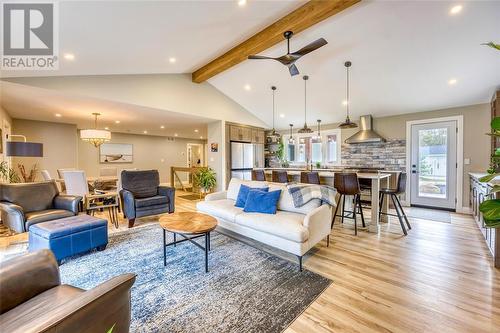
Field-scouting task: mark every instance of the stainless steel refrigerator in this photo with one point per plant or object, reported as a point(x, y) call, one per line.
point(242, 160)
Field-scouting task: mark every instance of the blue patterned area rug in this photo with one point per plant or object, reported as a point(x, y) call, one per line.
point(246, 290)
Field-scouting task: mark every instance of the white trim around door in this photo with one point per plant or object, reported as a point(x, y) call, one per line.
point(460, 157)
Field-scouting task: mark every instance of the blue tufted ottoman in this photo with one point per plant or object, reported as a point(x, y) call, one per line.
point(69, 236)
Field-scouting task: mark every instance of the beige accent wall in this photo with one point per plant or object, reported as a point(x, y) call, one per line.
point(63, 149)
point(150, 152)
point(60, 148)
point(476, 143)
point(5, 119)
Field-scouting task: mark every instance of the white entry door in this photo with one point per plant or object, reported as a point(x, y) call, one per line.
point(434, 164)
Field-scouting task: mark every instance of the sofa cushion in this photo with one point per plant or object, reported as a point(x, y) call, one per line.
point(234, 186)
point(286, 225)
point(286, 201)
point(39, 305)
point(262, 202)
point(224, 209)
point(151, 201)
point(46, 215)
point(243, 194)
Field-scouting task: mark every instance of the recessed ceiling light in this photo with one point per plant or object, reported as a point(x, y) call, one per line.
point(456, 9)
point(69, 56)
point(241, 3)
point(58, 115)
point(196, 131)
point(162, 127)
point(247, 87)
point(452, 82)
point(117, 121)
point(172, 60)
point(344, 103)
point(106, 128)
point(145, 132)
point(201, 137)
point(282, 115)
point(176, 134)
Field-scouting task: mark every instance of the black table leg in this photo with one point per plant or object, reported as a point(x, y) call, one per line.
point(164, 249)
point(207, 242)
point(175, 239)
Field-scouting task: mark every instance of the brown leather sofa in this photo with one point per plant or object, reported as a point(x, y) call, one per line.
point(32, 299)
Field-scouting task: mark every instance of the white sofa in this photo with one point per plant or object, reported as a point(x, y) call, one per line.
point(291, 229)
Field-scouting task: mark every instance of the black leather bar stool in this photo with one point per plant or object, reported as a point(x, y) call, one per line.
point(393, 193)
point(309, 177)
point(348, 184)
point(280, 176)
point(258, 175)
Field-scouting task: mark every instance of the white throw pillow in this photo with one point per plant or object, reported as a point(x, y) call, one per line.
point(234, 186)
point(286, 201)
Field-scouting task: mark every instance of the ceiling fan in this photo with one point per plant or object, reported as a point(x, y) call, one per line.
point(289, 59)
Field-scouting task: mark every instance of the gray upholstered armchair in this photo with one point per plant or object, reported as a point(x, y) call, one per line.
point(33, 299)
point(25, 204)
point(142, 195)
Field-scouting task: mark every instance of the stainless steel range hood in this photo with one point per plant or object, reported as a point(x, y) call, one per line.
point(366, 134)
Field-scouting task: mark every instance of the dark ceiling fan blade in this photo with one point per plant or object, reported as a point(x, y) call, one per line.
point(293, 69)
point(310, 47)
point(259, 57)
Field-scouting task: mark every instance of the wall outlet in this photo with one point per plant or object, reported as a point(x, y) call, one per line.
point(466, 161)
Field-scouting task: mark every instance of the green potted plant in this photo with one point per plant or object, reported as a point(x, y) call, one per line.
point(491, 207)
point(205, 179)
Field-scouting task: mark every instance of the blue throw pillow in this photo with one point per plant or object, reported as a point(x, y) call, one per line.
point(262, 202)
point(243, 193)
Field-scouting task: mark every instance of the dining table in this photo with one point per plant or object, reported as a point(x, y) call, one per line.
point(378, 181)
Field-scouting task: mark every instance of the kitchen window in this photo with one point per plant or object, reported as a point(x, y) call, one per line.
point(308, 148)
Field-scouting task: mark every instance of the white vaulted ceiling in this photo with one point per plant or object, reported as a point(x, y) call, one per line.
point(403, 52)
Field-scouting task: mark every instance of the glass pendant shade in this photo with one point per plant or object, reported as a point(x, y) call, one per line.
point(305, 129)
point(95, 136)
point(347, 123)
point(317, 138)
point(291, 140)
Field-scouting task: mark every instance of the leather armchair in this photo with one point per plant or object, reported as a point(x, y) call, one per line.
point(142, 195)
point(33, 299)
point(25, 204)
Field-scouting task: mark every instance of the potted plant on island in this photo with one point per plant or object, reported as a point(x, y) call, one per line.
point(205, 179)
point(491, 207)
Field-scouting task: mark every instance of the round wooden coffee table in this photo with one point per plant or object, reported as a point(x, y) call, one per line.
point(189, 225)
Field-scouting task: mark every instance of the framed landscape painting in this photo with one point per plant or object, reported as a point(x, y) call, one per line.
point(116, 153)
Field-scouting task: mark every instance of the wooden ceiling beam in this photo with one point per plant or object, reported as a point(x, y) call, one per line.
point(300, 19)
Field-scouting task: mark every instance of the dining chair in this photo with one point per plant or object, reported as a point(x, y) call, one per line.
point(347, 183)
point(311, 177)
point(394, 193)
point(280, 176)
point(258, 175)
point(108, 172)
point(76, 183)
point(46, 175)
point(60, 172)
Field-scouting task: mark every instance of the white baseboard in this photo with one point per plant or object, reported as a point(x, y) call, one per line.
point(464, 210)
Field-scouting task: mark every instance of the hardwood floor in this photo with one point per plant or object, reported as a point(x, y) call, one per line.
point(437, 279)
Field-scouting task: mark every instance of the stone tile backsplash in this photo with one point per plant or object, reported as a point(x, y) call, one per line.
point(390, 155)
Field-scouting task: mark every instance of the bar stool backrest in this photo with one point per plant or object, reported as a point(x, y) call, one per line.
point(401, 188)
point(346, 183)
point(309, 177)
point(258, 175)
point(280, 176)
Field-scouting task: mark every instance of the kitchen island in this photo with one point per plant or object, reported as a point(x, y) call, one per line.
point(378, 180)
